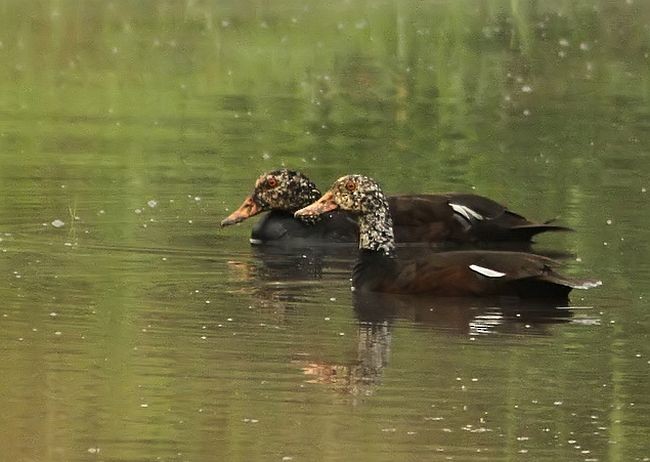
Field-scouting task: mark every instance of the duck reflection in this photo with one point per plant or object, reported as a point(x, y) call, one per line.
point(361, 376)
point(277, 263)
point(272, 264)
point(377, 314)
point(474, 316)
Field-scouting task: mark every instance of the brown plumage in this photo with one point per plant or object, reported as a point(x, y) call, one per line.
point(464, 273)
point(460, 218)
point(430, 218)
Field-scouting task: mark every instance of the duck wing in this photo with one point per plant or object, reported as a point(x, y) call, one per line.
point(460, 218)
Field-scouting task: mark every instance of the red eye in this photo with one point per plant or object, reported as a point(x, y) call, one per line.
point(272, 182)
point(350, 185)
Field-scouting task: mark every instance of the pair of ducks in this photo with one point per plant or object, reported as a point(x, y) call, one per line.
point(299, 214)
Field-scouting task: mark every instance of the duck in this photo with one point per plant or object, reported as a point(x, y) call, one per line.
point(467, 273)
point(454, 218)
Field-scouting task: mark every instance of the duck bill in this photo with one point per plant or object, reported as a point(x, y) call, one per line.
point(323, 205)
point(248, 209)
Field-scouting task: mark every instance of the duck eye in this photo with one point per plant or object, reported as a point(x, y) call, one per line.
point(350, 185)
point(272, 182)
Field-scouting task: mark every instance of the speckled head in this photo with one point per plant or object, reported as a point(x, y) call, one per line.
point(362, 196)
point(282, 189)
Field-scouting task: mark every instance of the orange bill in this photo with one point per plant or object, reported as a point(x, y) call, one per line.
point(248, 209)
point(323, 205)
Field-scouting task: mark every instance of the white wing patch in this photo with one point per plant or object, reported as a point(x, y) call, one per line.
point(466, 212)
point(487, 272)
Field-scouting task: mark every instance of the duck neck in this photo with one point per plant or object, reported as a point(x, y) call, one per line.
point(376, 227)
point(308, 195)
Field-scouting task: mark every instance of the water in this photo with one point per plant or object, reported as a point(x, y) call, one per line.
point(133, 328)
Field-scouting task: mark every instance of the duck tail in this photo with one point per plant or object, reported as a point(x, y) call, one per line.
point(553, 285)
point(573, 283)
point(527, 232)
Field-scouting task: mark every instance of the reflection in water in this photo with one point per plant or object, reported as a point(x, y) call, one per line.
point(274, 263)
point(377, 313)
point(363, 374)
point(277, 278)
point(474, 316)
point(282, 265)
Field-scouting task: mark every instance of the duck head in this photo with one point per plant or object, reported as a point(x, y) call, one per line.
point(363, 197)
point(358, 194)
point(283, 189)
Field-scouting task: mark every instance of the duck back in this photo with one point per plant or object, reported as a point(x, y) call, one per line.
point(460, 218)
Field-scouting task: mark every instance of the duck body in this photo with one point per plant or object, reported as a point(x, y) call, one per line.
point(280, 228)
point(464, 273)
point(451, 274)
point(418, 218)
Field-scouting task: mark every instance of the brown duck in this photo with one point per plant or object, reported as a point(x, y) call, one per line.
point(463, 273)
point(431, 218)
